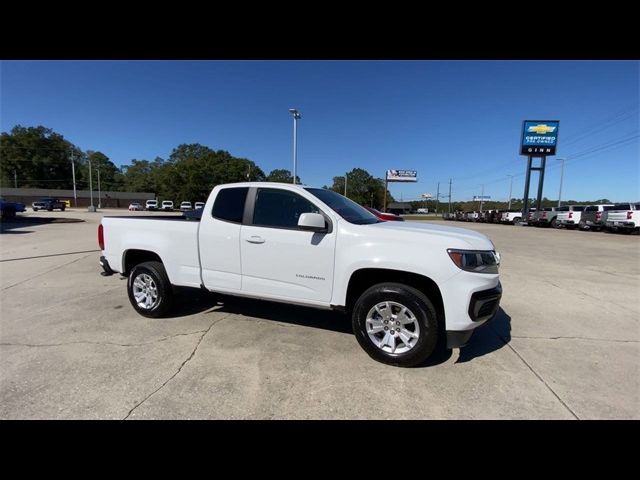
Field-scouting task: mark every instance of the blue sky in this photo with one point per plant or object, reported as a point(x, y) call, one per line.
point(445, 119)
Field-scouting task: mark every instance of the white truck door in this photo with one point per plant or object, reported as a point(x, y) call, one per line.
point(219, 240)
point(280, 259)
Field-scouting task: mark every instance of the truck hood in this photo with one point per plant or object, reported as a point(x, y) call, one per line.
point(455, 237)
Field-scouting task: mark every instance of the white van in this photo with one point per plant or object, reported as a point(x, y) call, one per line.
point(151, 205)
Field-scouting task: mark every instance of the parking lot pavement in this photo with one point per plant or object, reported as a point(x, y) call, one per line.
point(566, 343)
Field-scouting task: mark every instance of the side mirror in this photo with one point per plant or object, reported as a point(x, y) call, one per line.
point(313, 222)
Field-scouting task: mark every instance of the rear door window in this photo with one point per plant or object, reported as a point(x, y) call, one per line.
point(229, 204)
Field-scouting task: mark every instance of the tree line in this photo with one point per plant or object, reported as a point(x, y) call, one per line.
point(38, 157)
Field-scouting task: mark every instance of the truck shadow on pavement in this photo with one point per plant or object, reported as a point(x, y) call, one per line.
point(197, 301)
point(488, 338)
point(10, 226)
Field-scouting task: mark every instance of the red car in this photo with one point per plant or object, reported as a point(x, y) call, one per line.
point(385, 216)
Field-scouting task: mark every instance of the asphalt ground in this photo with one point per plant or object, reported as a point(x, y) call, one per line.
point(565, 345)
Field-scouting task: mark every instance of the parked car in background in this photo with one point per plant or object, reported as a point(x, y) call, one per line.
point(545, 217)
point(167, 205)
point(9, 209)
point(627, 220)
point(199, 205)
point(385, 216)
point(135, 206)
point(570, 218)
point(48, 203)
point(590, 219)
point(422, 210)
point(184, 206)
point(530, 216)
point(513, 217)
point(151, 205)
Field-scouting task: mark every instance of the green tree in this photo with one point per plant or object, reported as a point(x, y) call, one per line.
point(362, 188)
point(282, 175)
point(111, 178)
point(37, 156)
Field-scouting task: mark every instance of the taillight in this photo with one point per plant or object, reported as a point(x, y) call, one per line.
point(570, 214)
point(101, 236)
point(598, 215)
point(629, 215)
point(544, 214)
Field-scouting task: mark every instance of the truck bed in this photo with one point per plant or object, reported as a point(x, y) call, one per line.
point(173, 218)
point(173, 238)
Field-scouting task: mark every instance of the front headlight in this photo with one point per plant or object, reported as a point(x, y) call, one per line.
point(477, 261)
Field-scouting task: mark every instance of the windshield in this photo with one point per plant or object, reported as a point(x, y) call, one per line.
point(347, 209)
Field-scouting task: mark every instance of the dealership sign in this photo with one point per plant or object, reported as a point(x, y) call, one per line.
point(402, 176)
point(539, 137)
point(478, 198)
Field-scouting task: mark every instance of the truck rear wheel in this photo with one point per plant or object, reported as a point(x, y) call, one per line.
point(149, 289)
point(395, 324)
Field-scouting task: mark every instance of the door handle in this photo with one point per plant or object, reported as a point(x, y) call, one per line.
point(255, 239)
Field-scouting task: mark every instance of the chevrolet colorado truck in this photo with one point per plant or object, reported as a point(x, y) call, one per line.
point(406, 285)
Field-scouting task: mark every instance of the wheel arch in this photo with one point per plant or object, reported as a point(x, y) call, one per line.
point(133, 257)
point(364, 278)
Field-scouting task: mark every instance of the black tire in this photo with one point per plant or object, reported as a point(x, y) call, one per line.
point(158, 274)
point(35, 209)
point(582, 225)
point(421, 307)
point(50, 209)
point(554, 223)
point(517, 221)
point(62, 209)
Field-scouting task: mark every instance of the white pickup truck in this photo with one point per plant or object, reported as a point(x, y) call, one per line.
point(626, 220)
point(404, 283)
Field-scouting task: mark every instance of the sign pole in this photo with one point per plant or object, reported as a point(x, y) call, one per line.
point(386, 182)
point(541, 182)
point(437, 198)
point(525, 207)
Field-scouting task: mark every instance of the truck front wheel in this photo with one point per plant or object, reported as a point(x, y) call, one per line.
point(395, 324)
point(149, 289)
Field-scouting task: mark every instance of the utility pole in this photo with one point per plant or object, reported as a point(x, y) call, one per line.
point(73, 172)
point(99, 192)
point(510, 187)
point(345, 185)
point(482, 197)
point(15, 179)
point(561, 176)
point(437, 197)
point(449, 195)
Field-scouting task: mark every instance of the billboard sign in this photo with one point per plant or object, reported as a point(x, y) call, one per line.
point(402, 176)
point(477, 198)
point(539, 137)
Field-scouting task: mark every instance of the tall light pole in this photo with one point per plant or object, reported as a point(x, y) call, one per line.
point(99, 192)
point(482, 197)
point(437, 197)
point(296, 117)
point(91, 207)
point(510, 188)
point(449, 195)
point(561, 176)
point(345, 184)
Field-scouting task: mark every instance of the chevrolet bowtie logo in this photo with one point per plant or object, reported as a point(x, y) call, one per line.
point(541, 129)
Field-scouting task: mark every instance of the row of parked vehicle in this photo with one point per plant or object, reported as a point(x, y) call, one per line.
point(166, 205)
point(619, 216)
